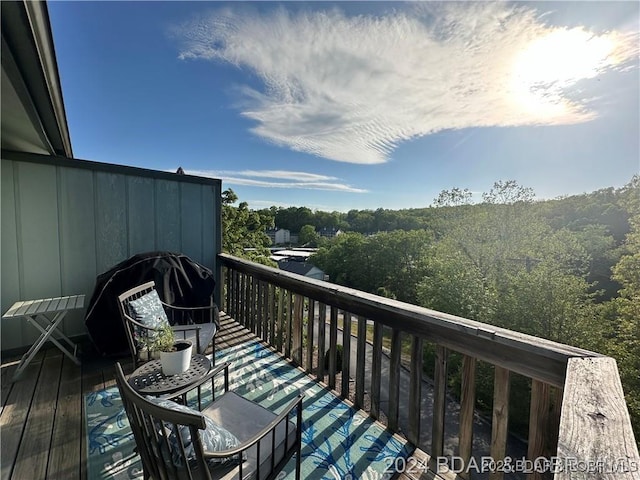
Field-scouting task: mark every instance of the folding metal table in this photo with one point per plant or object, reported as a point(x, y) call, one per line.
point(46, 314)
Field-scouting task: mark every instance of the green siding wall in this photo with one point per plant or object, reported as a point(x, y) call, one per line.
point(64, 222)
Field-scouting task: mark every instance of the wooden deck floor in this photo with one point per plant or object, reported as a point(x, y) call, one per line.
point(41, 421)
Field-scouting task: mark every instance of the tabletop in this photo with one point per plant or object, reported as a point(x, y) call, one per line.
point(149, 379)
point(44, 306)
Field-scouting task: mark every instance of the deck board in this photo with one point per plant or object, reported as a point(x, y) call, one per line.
point(15, 412)
point(43, 431)
point(64, 457)
point(33, 455)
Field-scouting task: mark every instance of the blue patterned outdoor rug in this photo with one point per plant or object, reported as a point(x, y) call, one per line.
point(338, 442)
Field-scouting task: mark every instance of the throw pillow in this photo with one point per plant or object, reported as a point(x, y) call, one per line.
point(214, 437)
point(147, 310)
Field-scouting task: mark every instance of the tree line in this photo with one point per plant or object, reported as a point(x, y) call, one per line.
point(566, 269)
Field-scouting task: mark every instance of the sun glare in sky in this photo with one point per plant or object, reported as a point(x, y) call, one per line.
point(342, 105)
point(552, 63)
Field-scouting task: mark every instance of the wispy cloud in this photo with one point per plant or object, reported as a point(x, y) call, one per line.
point(279, 179)
point(353, 88)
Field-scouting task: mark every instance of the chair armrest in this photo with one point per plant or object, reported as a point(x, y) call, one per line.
point(176, 312)
point(209, 376)
point(187, 309)
point(185, 328)
point(283, 416)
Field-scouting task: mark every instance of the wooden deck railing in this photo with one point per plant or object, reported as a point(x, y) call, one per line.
point(578, 416)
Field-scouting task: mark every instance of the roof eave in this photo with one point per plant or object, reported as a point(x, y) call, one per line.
point(26, 33)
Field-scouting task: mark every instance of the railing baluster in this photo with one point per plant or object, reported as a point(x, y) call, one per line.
point(333, 342)
point(310, 330)
point(346, 354)
point(265, 311)
point(538, 421)
point(298, 312)
point(501, 388)
point(288, 318)
point(259, 305)
point(236, 295)
point(322, 312)
point(224, 300)
point(554, 428)
point(252, 304)
point(467, 404)
point(280, 320)
point(255, 313)
point(439, 402)
point(272, 314)
point(394, 378)
point(415, 390)
point(243, 301)
point(360, 361)
point(376, 364)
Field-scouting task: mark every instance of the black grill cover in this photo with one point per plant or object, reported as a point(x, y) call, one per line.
point(179, 281)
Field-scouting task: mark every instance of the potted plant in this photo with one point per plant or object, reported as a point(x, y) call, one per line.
point(175, 356)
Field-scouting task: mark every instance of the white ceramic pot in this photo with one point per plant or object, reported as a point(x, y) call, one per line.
point(177, 361)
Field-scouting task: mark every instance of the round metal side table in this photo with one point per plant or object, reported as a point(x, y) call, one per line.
point(149, 379)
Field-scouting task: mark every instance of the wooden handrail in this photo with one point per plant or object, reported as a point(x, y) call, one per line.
point(527, 355)
point(579, 418)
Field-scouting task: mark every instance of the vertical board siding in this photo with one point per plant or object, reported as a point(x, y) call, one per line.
point(111, 220)
point(64, 225)
point(210, 236)
point(168, 216)
point(10, 272)
point(38, 235)
point(141, 211)
point(77, 239)
point(191, 220)
point(38, 230)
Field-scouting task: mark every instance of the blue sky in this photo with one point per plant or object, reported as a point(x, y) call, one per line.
point(362, 105)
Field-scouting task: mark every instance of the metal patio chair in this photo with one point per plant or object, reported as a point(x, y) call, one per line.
point(232, 438)
point(143, 314)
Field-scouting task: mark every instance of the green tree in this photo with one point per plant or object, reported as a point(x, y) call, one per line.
point(624, 345)
point(453, 198)
point(244, 230)
point(308, 236)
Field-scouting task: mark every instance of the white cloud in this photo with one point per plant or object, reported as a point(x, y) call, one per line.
point(353, 88)
point(278, 179)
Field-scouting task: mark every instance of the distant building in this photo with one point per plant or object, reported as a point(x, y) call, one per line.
point(279, 236)
point(329, 232)
point(293, 254)
point(301, 268)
